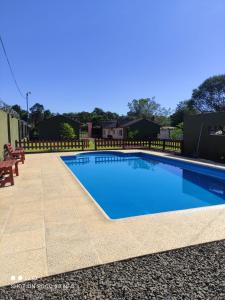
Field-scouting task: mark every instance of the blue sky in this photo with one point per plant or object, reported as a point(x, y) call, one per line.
point(75, 55)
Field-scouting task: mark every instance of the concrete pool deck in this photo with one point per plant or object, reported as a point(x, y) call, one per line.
point(49, 225)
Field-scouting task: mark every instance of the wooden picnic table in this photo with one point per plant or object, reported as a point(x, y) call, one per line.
point(6, 168)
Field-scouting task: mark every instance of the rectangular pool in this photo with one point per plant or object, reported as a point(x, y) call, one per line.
point(134, 184)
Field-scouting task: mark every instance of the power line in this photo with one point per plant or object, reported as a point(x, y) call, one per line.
point(11, 69)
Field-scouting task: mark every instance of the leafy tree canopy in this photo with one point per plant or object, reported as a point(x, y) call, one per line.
point(96, 116)
point(183, 108)
point(148, 108)
point(66, 131)
point(38, 113)
point(210, 95)
point(22, 113)
point(177, 133)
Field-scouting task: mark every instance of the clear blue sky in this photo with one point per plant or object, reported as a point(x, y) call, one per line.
point(75, 55)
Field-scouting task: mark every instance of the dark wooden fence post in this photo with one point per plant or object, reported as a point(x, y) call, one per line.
point(164, 145)
point(82, 141)
point(149, 144)
point(95, 144)
point(182, 147)
point(123, 144)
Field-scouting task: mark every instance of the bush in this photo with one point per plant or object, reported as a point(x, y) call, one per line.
point(177, 133)
point(66, 131)
point(133, 134)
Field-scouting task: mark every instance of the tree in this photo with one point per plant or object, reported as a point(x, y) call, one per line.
point(148, 108)
point(183, 108)
point(210, 95)
point(143, 108)
point(37, 113)
point(96, 116)
point(48, 114)
point(22, 113)
point(177, 133)
point(163, 116)
point(133, 134)
point(66, 131)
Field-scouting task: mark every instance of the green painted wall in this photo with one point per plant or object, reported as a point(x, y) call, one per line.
point(198, 140)
point(3, 132)
point(14, 130)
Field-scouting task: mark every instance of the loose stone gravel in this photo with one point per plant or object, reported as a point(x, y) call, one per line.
point(196, 272)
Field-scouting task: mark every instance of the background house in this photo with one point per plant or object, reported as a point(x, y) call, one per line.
point(50, 128)
point(134, 129)
point(204, 135)
point(165, 132)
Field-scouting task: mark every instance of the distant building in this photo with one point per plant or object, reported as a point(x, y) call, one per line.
point(165, 132)
point(123, 129)
point(50, 128)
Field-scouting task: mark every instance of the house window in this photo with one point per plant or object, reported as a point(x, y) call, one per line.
point(121, 132)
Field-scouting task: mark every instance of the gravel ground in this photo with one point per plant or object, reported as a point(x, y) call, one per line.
point(196, 272)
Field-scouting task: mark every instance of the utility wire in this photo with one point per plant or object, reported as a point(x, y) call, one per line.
point(11, 69)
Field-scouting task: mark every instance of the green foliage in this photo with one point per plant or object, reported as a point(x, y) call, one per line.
point(37, 113)
point(48, 114)
point(148, 108)
point(132, 134)
point(183, 108)
point(163, 117)
point(34, 135)
point(177, 133)
point(210, 95)
point(22, 113)
point(143, 108)
point(66, 131)
point(96, 116)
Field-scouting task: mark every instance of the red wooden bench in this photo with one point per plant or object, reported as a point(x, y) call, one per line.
point(15, 154)
point(6, 171)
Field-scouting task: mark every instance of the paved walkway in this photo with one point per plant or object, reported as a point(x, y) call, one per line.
point(49, 225)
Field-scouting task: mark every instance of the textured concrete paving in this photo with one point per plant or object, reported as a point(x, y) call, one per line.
point(49, 225)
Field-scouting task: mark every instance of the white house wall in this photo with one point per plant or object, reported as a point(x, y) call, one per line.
point(116, 133)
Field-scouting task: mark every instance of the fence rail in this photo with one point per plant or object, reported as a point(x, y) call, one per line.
point(163, 145)
point(100, 144)
point(52, 146)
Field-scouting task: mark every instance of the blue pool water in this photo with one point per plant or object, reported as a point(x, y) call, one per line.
point(126, 185)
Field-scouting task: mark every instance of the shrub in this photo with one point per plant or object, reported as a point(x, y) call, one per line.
point(177, 133)
point(66, 131)
point(133, 134)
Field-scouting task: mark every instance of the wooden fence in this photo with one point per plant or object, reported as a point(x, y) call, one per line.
point(52, 146)
point(100, 144)
point(160, 145)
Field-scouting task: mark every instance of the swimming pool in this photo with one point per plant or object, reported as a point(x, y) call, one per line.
point(134, 184)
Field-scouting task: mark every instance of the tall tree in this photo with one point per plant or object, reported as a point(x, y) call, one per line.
point(143, 108)
point(37, 113)
point(48, 114)
point(22, 113)
point(183, 108)
point(148, 108)
point(210, 95)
